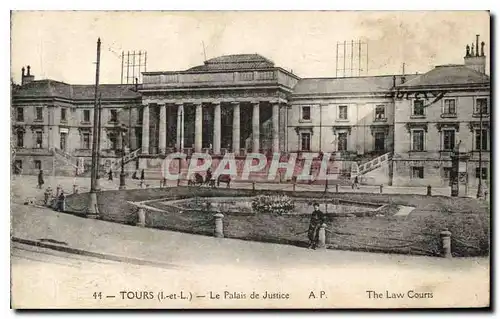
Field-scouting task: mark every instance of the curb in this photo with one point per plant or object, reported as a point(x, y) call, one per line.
point(76, 251)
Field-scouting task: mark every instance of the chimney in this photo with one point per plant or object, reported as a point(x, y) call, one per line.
point(477, 44)
point(475, 61)
point(25, 79)
point(393, 81)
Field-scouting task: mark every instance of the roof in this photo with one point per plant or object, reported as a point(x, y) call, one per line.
point(51, 88)
point(235, 62)
point(452, 74)
point(362, 84)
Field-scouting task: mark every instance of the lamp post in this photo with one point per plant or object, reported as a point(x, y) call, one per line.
point(122, 173)
point(479, 185)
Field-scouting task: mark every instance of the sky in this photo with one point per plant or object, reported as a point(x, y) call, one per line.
point(61, 45)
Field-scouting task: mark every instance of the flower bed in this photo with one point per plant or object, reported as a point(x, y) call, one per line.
point(272, 204)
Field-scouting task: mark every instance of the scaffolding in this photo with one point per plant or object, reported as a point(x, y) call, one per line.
point(133, 64)
point(351, 58)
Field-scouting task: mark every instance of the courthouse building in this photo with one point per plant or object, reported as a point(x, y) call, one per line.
point(389, 129)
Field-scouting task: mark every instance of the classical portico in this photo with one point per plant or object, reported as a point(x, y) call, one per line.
point(212, 110)
point(230, 104)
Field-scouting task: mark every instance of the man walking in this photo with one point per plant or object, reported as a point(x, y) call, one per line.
point(40, 179)
point(355, 183)
point(317, 219)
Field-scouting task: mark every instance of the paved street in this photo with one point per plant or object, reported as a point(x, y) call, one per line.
point(28, 255)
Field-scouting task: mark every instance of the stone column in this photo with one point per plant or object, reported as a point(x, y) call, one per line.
point(255, 127)
point(198, 127)
point(180, 126)
point(275, 128)
point(162, 131)
point(145, 130)
point(217, 128)
point(236, 127)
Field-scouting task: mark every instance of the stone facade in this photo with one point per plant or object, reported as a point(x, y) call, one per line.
point(244, 103)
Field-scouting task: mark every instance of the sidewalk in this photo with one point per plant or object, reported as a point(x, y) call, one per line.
point(183, 250)
point(23, 187)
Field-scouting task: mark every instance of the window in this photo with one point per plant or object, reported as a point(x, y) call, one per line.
point(418, 107)
point(448, 140)
point(449, 107)
point(417, 140)
point(484, 171)
point(86, 115)
point(38, 139)
point(140, 115)
point(447, 172)
point(20, 114)
point(63, 115)
point(113, 116)
point(343, 112)
point(342, 142)
point(39, 113)
point(113, 141)
point(86, 141)
point(38, 164)
point(306, 113)
point(481, 140)
point(20, 139)
point(379, 141)
point(62, 141)
point(305, 139)
point(417, 172)
point(481, 106)
point(380, 112)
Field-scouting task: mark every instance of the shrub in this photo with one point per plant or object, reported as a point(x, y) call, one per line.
point(277, 204)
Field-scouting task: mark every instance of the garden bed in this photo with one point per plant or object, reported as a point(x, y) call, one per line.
point(418, 233)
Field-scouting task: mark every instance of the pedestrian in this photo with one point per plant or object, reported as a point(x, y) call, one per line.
point(61, 204)
point(142, 175)
point(40, 179)
point(208, 177)
point(317, 219)
point(110, 175)
point(355, 183)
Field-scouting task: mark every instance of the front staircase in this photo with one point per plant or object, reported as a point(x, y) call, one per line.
point(116, 164)
point(360, 170)
point(78, 163)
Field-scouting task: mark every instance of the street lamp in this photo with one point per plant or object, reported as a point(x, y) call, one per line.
point(122, 173)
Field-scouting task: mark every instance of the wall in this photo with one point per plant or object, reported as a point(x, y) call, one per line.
point(433, 159)
point(325, 122)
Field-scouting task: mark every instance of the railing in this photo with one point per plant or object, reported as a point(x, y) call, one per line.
point(125, 159)
point(371, 165)
point(68, 158)
point(64, 154)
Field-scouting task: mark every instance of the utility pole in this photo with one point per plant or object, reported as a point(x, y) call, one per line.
point(98, 177)
point(92, 209)
point(480, 184)
point(204, 53)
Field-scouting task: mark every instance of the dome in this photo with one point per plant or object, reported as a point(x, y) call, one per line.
point(235, 62)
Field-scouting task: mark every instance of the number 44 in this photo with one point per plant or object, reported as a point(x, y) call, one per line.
point(97, 295)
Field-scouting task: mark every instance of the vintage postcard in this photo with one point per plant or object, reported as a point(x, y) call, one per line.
point(250, 159)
